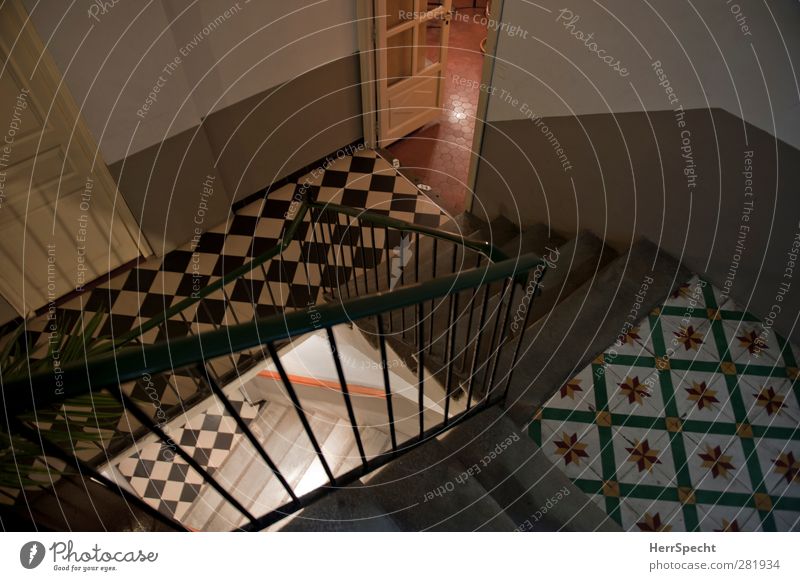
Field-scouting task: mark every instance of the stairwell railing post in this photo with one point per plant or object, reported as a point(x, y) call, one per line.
point(348, 402)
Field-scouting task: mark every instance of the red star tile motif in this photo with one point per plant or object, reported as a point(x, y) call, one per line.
point(702, 395)
point(729, 527)
point(771, 401)
point(716, 461)
point(652, 524)
point(682, 291)
point(634, 390)
point(571, 449)
point(788, 467)
point(753, 341)
point(630, 337)
point(689, 338)
point(569, 388)
point(644, 456)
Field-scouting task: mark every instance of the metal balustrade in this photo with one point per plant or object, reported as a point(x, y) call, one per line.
point(447, 301)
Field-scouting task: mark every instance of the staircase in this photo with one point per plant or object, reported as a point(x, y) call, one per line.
point(486, 474)
point(280, 431)
point(471, 318)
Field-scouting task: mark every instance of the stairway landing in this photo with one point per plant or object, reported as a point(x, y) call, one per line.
point(688, 422)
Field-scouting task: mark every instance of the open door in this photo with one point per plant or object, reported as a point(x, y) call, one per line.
point(63, 223)
point(411, 50)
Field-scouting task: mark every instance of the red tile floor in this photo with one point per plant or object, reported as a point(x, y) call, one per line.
point(438, 154)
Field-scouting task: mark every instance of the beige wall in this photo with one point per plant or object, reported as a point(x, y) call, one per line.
point(247, 92)
point(709, 60)
point(245, 147)
point(228, 51)
point(627, 148)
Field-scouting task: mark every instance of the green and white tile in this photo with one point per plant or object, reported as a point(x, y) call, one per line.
point(702, 396)
point(686, 425)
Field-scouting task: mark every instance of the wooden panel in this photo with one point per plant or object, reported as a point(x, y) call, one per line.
point(411, 52)
point(411, 102)
point(62, 221)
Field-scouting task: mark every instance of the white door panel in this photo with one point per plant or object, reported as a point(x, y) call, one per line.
point(411, 55)
point(63, 223)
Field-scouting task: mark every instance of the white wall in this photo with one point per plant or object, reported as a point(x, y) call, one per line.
point(100, 57)
point(710, 60)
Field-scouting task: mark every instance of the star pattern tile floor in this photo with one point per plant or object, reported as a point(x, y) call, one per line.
point(690, 421)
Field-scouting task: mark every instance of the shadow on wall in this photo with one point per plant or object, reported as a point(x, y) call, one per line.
point(721, 197)
point(239, 150)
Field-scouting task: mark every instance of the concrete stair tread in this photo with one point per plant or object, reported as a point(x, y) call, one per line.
point(532, 491)
point(585, 323)
point(340, 511)
point(404, 490)
point(570, 265)
point(536, 238)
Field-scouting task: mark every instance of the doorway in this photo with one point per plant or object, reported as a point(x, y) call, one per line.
point(62, 219)
point(437, 154)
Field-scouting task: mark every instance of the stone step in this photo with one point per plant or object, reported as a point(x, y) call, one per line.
point(532, 491)
point(585, 323)
point(403, 495)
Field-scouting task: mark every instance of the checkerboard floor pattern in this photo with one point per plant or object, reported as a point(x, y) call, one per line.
point(690, 421)
point(165, 480)
point(364, 180)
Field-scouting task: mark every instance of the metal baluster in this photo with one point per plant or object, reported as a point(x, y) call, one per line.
point(421, 369)
point(233, 309)
point(329, 248)
point(433, 301)
point(418, 324)
point(146, 421)
point(249, 290)
point(216, 326)
point(304, 261)
point(389, 273)
point(402, 282)
point(275, 304)
point(363, 256)
point(471, 306)
point(493, 345)
point(375, 256)
point(300, 413)
point(451, 345)
point(82, 469)
point(346, 393)
point(335, 248)
point(314, 220)
point(503, 335)
point(197, 321)
point(481, 324)
point(350, 243)
point(389, 409)
point(519, 342)
point(245, 429)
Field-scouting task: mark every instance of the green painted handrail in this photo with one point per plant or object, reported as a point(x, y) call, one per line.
point(486, 248)
point(112, 369)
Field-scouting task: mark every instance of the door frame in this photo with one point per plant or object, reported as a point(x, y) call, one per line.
point(367, 45)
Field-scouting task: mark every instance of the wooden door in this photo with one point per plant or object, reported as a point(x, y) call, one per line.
point(62, 220)
point(411, 49)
